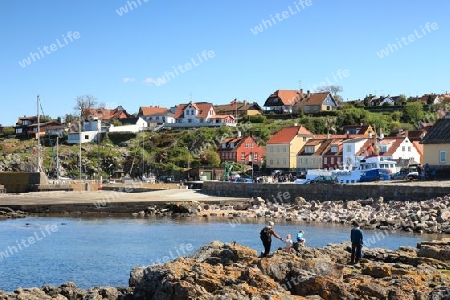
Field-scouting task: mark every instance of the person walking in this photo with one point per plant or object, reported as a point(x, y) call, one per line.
point(266, 238)
point(357, 239)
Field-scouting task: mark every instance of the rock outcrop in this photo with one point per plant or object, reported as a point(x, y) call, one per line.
point(232, 271)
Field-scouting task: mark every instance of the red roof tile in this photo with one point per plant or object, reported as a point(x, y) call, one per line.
point(152, 110)
point(287, 134)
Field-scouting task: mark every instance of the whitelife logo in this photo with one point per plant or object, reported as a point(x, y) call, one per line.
point(265, 24)
point(34, 56)
point(182, 68)
point(391, 48)
point(130, 5)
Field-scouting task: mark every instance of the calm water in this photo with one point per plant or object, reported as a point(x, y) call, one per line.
point(102, 251)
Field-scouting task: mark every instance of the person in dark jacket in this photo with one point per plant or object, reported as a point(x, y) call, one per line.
point(266, 238)
point(356, 237)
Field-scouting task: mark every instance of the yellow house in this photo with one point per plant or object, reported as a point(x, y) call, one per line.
point(436, 144)
point(310, 156)
point(282, 147)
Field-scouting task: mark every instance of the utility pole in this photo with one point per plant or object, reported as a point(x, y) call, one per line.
point(39, 167)
point(57, 157)
point(79, 128)
point(143, 150)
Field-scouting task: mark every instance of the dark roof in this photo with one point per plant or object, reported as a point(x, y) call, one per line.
point(439, 133)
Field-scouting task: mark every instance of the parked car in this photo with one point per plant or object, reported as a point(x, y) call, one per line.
point(375, 175)
point(324, 180)
point(166, 179)
point(400, 175)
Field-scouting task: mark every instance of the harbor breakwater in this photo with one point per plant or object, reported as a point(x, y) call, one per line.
point(402, 191)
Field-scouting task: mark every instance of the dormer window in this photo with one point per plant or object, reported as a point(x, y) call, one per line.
point(309, 149)
point(334, 149)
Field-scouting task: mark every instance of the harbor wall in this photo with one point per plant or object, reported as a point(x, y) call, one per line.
point(286, 193)
point(21, 182)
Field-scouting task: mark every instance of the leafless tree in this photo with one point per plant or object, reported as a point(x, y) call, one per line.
point(84, 103)
point(333, 89)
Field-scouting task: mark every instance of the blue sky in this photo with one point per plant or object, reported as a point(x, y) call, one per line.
point(118, 56)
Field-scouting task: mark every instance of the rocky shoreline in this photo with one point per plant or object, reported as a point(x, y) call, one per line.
point(430, 216)
point(231, 271)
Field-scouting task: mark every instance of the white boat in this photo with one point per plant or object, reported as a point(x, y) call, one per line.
point(367, 170)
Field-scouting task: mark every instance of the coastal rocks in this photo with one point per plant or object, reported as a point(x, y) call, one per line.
point(230, 271)
point(68, 291)
point(9, 213)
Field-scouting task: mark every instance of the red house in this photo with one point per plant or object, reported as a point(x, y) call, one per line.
point(240, 150)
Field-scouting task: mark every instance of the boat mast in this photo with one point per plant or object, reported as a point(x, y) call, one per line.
point(39, 167)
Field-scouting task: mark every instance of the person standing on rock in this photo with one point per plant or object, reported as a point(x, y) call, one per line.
point(266, 238)
point(356, 237)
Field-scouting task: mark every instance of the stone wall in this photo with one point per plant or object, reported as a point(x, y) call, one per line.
point(288, 192)
point(21, 182)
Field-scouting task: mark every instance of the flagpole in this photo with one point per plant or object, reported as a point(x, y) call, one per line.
point(235, 103)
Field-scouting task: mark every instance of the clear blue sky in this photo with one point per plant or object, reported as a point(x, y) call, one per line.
point(309, 44)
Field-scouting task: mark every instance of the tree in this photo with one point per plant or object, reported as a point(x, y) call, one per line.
point(413, 112)
point(84, 103)
point(333, 89)
point(212, 158)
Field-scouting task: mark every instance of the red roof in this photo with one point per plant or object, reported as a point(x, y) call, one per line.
point(152, 110)
point(202, 108)
point(287, 134)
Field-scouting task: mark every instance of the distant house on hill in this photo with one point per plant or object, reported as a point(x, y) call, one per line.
point(294, 101)
point(27, 127)
point(106, 114)
point(363, 129)
point(243, 108)
point(156, 116)
point(200, 114)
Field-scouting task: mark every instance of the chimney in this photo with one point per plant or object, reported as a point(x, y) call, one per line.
point(308, 94)
point(301, 94)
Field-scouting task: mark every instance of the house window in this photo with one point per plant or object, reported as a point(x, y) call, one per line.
point(284, 161)
point(306, 161)
point(325, 160)
point(403, 148)
point(443, 156)
point(332, 160)
point(338, 160)
point(304, 138)
point(256, 157)
point(242, 155)
point(271, 149)
point(284, 149)
point(409, 148)
point(300, 160)
point(309, 149)
point(334, 149)
point(348, 148)
point(313, 161)
point(278, 149)
point(86, 137)
point(278, 161)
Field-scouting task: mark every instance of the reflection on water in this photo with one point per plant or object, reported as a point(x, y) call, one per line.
point(102, 251)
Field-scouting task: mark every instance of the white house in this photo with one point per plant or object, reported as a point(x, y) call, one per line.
point(129, 125)
point(351, 151)
point(201, 114)
point(93, 128)
point(155, 115)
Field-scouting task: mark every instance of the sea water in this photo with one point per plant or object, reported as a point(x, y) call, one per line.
point(102, 251)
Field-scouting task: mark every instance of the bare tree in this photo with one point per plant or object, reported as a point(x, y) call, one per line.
point(84, 103)
point(333, 89)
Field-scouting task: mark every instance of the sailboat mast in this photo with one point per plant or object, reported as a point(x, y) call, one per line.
point(38, 135)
